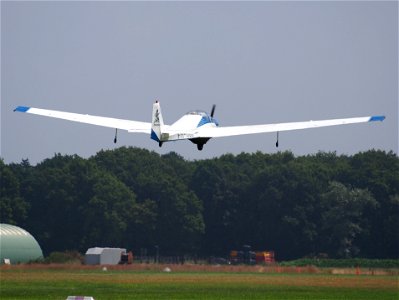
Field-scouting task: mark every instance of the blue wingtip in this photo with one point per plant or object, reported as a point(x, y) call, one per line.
point(377, 118)
point(22, 108)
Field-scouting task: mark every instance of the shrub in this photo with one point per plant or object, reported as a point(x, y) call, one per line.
point(66, 257)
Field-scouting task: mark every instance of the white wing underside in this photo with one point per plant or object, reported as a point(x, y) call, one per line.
point(181, 130)
point(131, 126)
point(213, 132)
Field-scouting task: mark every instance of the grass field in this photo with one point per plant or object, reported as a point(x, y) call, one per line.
point(57, 282)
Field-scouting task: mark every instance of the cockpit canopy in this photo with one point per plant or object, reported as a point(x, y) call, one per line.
point(198, 113)
point(206, 118)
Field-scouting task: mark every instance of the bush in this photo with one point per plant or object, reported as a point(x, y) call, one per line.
point(344, 263)
point(67, 257)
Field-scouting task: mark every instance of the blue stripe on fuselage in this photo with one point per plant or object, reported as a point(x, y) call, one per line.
point(203, 121)
point(207, 119)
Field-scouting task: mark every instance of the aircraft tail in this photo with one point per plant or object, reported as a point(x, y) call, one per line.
point(157, 122)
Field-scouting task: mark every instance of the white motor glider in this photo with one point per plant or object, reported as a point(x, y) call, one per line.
point(196, 126)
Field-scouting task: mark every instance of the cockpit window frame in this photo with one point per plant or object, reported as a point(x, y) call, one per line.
point(198, 113)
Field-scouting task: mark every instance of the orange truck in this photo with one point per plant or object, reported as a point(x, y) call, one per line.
point(265, 257)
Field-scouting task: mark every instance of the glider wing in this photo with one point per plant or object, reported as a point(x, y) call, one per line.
point(131, 126)
point(212, 132)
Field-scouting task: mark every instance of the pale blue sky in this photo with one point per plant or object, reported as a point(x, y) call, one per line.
point(259, 62)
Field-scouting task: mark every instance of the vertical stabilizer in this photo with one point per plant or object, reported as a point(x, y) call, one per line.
point(157, 122)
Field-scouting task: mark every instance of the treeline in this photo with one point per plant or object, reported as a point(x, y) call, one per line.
point(323, 205)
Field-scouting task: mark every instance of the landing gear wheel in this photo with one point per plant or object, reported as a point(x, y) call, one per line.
point(200, 147)
point(160, 144)
point(116, 136)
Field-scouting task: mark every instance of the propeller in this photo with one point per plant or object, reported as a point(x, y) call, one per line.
point(213, 110)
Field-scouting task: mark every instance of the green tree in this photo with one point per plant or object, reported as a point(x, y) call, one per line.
point(218, 183)
point(109, 210)
point(342, 218)
point(131, 197)
point(281, 209)
point(172, 214)
point(58, 191)
point(378, 171)
point(13, 208)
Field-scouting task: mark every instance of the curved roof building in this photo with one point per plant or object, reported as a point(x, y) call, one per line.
point(17, 245)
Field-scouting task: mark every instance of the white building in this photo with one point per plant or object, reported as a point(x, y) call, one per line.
point(103, 256)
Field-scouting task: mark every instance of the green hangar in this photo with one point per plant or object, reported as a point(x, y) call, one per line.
point(17, 245)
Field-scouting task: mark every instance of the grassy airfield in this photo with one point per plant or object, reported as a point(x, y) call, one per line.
point(196, 282)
